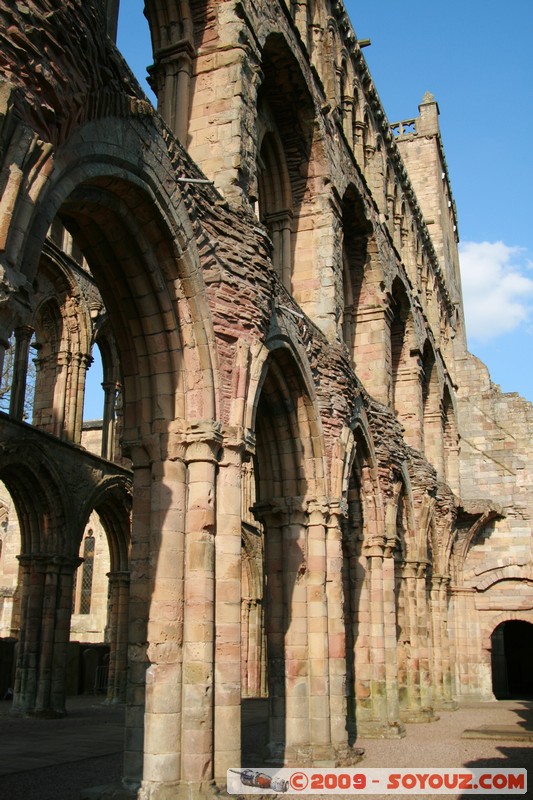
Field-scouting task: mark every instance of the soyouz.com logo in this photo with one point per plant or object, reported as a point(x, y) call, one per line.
point(355, 781)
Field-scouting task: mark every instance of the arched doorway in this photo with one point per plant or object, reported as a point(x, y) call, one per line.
point(512, 659)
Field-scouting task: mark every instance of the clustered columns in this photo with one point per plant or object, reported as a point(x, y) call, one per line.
point(297, 632)
point(119, 585)
point(416, 696)
point(23, 336)
point(78, 373)
point(441, 667)
point(171, 81)
point(46, 607)
point(279, 226)
point(337, 639)
point(376, 670)
point(178, 553)
point(467, 667)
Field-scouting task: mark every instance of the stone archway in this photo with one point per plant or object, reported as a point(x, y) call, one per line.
point(512, 659)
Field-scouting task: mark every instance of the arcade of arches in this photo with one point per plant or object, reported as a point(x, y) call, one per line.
point(302, 491)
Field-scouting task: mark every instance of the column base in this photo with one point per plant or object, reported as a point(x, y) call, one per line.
point(370, 729)
point(279, 755)
point(418, 715)
point(446, 705)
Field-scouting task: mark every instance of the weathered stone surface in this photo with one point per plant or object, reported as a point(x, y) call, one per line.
point(331, 502)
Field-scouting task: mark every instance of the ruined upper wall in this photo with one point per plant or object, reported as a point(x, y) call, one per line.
point(56, 90)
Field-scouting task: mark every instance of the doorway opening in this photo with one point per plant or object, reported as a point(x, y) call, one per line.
point(512, 660)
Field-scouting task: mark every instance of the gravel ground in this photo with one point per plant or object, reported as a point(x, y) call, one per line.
point(439, 744)
point(436, 744)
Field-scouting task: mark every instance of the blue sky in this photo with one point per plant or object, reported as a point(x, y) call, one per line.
point(476, 57)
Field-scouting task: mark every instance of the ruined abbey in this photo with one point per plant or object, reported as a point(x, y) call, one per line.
point(303, 492)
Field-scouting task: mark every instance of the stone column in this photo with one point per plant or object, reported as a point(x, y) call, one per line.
point(227, 689)
point(108, 422)
point(359, 150)
point(337, 612)
point(275, 627)
point(466, 685)
point(410, 691)
point(390, 638)
point(447, 683)
point(318, 635)
point(163, 563)
point(296, 627)
point(25, 671)
point(23, 336)
point(74, 416)
point(141, 587)
point(171, 80)
point(45, 632)
point(418, 700)
point(426, 695)
point(382, 717)
point(378, 684)
point(197, 750)
point(59, 395)
point(280, 227)
point(119, 583)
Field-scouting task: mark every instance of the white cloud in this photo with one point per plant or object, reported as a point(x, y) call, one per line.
point(498, 295)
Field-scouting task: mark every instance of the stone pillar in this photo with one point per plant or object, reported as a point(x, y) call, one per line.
point(25, 668)
point(382, 717)
point(359, 150)
point(45, 631)
point(197, 756)
point(108, 422)
point(347, 119)
point(318, 636)
point(418, 707)
point(390, 638)
point(297, 641)
point(378, 685)
point(426, 695)
point(279, 225)
point(171, 80)
point(74, 416)
point(275, 628)
point(410, 690)
point(166, 598)
point(141, 587)
point(119, 583)
point(442, 678)
point(58, 410)
point(466, 684)
point(227, 688)
point(337, 656)
point(23, 336)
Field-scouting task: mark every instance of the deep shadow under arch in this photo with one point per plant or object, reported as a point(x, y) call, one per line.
point(512, 660)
